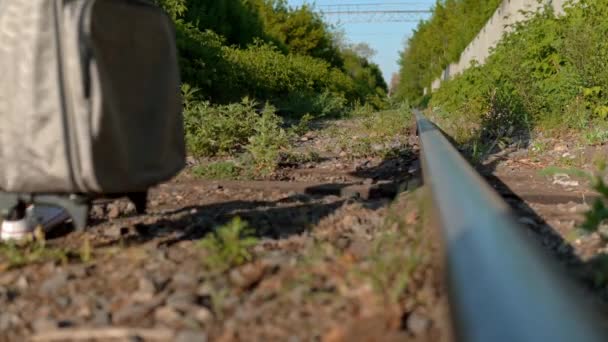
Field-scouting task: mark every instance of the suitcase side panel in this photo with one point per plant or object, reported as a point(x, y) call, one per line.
point(33, 149)
point(136, 124)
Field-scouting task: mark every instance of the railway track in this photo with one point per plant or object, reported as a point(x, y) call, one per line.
point(503, 288)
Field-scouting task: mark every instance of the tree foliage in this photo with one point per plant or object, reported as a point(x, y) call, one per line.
point(439, 41)
point(550, 72)
point(268, 51)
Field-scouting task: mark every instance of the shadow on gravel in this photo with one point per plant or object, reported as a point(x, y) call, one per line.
point(292, 215)
point(584, 272)
point(398, 167)
point(273, 220)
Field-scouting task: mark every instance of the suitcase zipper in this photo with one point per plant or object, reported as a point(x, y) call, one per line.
point(86, 51)
point(65, 97)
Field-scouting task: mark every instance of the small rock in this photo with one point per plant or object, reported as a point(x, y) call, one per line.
point(54, 284)
point(203, 315)
point(130, 312)
point(44, 324)
point(8, 320)
point(368, 181)
point(84, 311)
point(564, 180)
point(360, 248)
point(378, 147)
point(350, 221)
point(63, 301)
point(115, 232)
point(101, 318)
point(417, 324)
point(560, 148)
point(22, 283)
point(147, 285)
point(142, 296)
point(191, 336)
point(7, 278)
point(167, 315)
point(205, 289)
point(603, 231)
point(97, 211)
point(181, 300)
point(113, 211)
point(184, 281)
point(80, 271)
point(304, 139)
point(247, 275)
point(580, 208)
point(130, 208)
point(343, 154)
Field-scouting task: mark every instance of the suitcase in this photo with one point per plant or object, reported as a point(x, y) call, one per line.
point(89, 103)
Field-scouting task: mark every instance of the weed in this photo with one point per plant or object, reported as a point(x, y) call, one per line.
point(596, 136)
point(380, 134)
point(86, 251)
point(302, 127)
point(16, 254)
point(228, 246)
point(212, 130)
point(539, 146)
point(218, 170)
point(267, 142)
point(398, 252)
point(547, 73)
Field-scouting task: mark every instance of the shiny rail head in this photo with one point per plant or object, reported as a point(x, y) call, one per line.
point(502, 286)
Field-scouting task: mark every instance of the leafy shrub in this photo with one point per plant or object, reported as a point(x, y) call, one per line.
point(269, 138)
point(290, 61)
point(212, 130)
point(439, 41)
point(548, 73)
point(228, 246)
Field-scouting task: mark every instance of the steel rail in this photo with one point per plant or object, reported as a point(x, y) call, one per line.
point(501, 286)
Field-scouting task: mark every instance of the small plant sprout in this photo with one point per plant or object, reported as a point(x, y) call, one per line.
point(228, 246)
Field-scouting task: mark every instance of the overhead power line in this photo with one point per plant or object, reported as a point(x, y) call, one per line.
point(386, 12)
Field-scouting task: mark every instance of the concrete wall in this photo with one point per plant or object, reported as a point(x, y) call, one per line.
point(508, 13)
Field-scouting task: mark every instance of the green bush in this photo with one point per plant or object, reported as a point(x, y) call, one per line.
point(439, 41)
point(269, 138)
point(549, 73)
point(270, 53)
point(212, 130)
point(235, 128)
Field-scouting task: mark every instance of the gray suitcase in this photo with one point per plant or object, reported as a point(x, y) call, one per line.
point(89, 102)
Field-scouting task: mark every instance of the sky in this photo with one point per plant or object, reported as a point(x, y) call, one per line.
point(387, 38)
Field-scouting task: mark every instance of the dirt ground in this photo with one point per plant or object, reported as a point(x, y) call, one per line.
point(337, 250)
point(552, 203)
